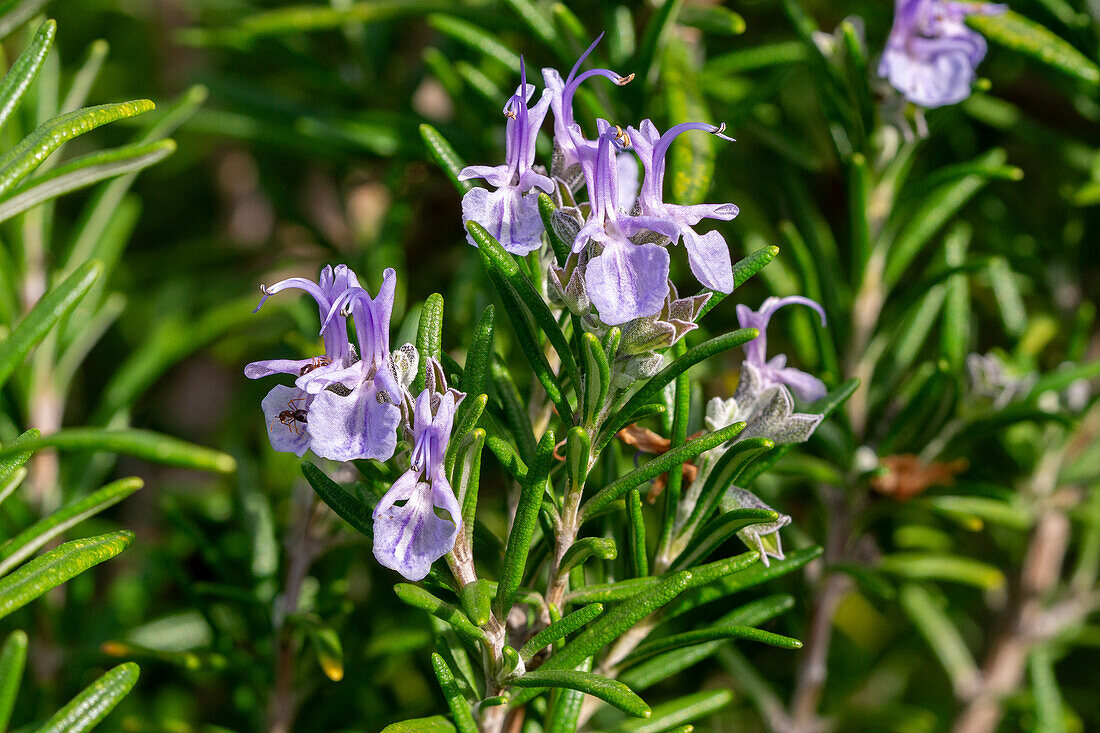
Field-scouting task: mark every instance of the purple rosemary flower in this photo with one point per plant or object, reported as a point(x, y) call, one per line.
point(931, 55)
point(509, 213)
point(410, 537)
point(625, 280)
point(570, 145)
point(286, 409)
point(775, 371)
point(708, 254)
point(360, 419)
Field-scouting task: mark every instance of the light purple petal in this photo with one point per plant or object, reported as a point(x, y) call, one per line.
point(512, 218)
point(628, 281)
point(353, 427)
point(808, 387)
point(409, 538)
point(268, 367)
point(709, 258)
point(316, 380)
point(496, 175)
point(692, 215)
point(286, 438)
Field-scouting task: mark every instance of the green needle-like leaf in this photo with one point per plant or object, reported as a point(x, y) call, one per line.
point(597, 376)
point(443, 154)
point(743, 270)
point(23, 72)
point(460, 709)
point(639, 560)
point(560, 629)
point(943, 638)
point(657, 466)
point(546, 211)
point(53, 306)
point(726, 472)
point(18, 162)
point(13, 658)
point(650, 391)
point(720, 529)
point(477, 598)
point(476, 39)
point(523, 527)
point(417, 597)
point(27, 542)
point(84, 172)
point(610, 691)
point(12, 463)
point(930, 566)
point(699, 636)
point(56, 567)
point(86, 710)
point(600, 547)
point(346, 506)
point(1015, 32)
point(429, 337)
point(670, 717)
point(433, 724)
point(146, 444)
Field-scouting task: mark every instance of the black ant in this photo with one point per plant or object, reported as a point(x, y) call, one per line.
point(316, 363)
point(292, 416)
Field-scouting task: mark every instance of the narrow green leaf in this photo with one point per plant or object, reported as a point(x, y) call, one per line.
point(943, 638)
point(23, 72)
point(13, 658)
point(565, 707)
point(955, 335)
point(460, 709)
point(86, 710)
point(1044, 687)
point(656, 33)
point(346, 506)
point(560, 629)
point(649, 392)
point(495, 257)
point(514, 410)
point(53, 306)
point(535, 21)
point(929, 216)
point(83, 172)
point(145, 444)
point(751, 576)
point(930, 566)
point(622, 589)
point(476, 39)
point(614, 624)
point(691, 160)
point(14, 13)
point(429, 337)
point(417, 597)
point(699, 636)
point(670, 717)
point(57, 566)
point(635, 532)
point(13, 462)
point(712, 19)
point(610, 691)
point(657, 466)
point(434, 724)
point(681, 413)
point(726, 472)
point(1015, 32)
point(523, 527)
point(475, 377)
point(32, 150)
point(1010, 514)
point(27, 542)
point(718, 530)
point(600, 547)
point(667, 664)
point(597, 376)
point(477, 598)
point(577, 453)
point(546, 211)
point(445, 156)
point(466, 478)
point(744, 269)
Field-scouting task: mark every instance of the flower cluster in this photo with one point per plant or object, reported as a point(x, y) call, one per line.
point(931, 55)
point(349, 403)
point(619, 269)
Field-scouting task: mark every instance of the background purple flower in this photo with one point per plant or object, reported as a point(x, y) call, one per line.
point(931, 55)
point(776, 371)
